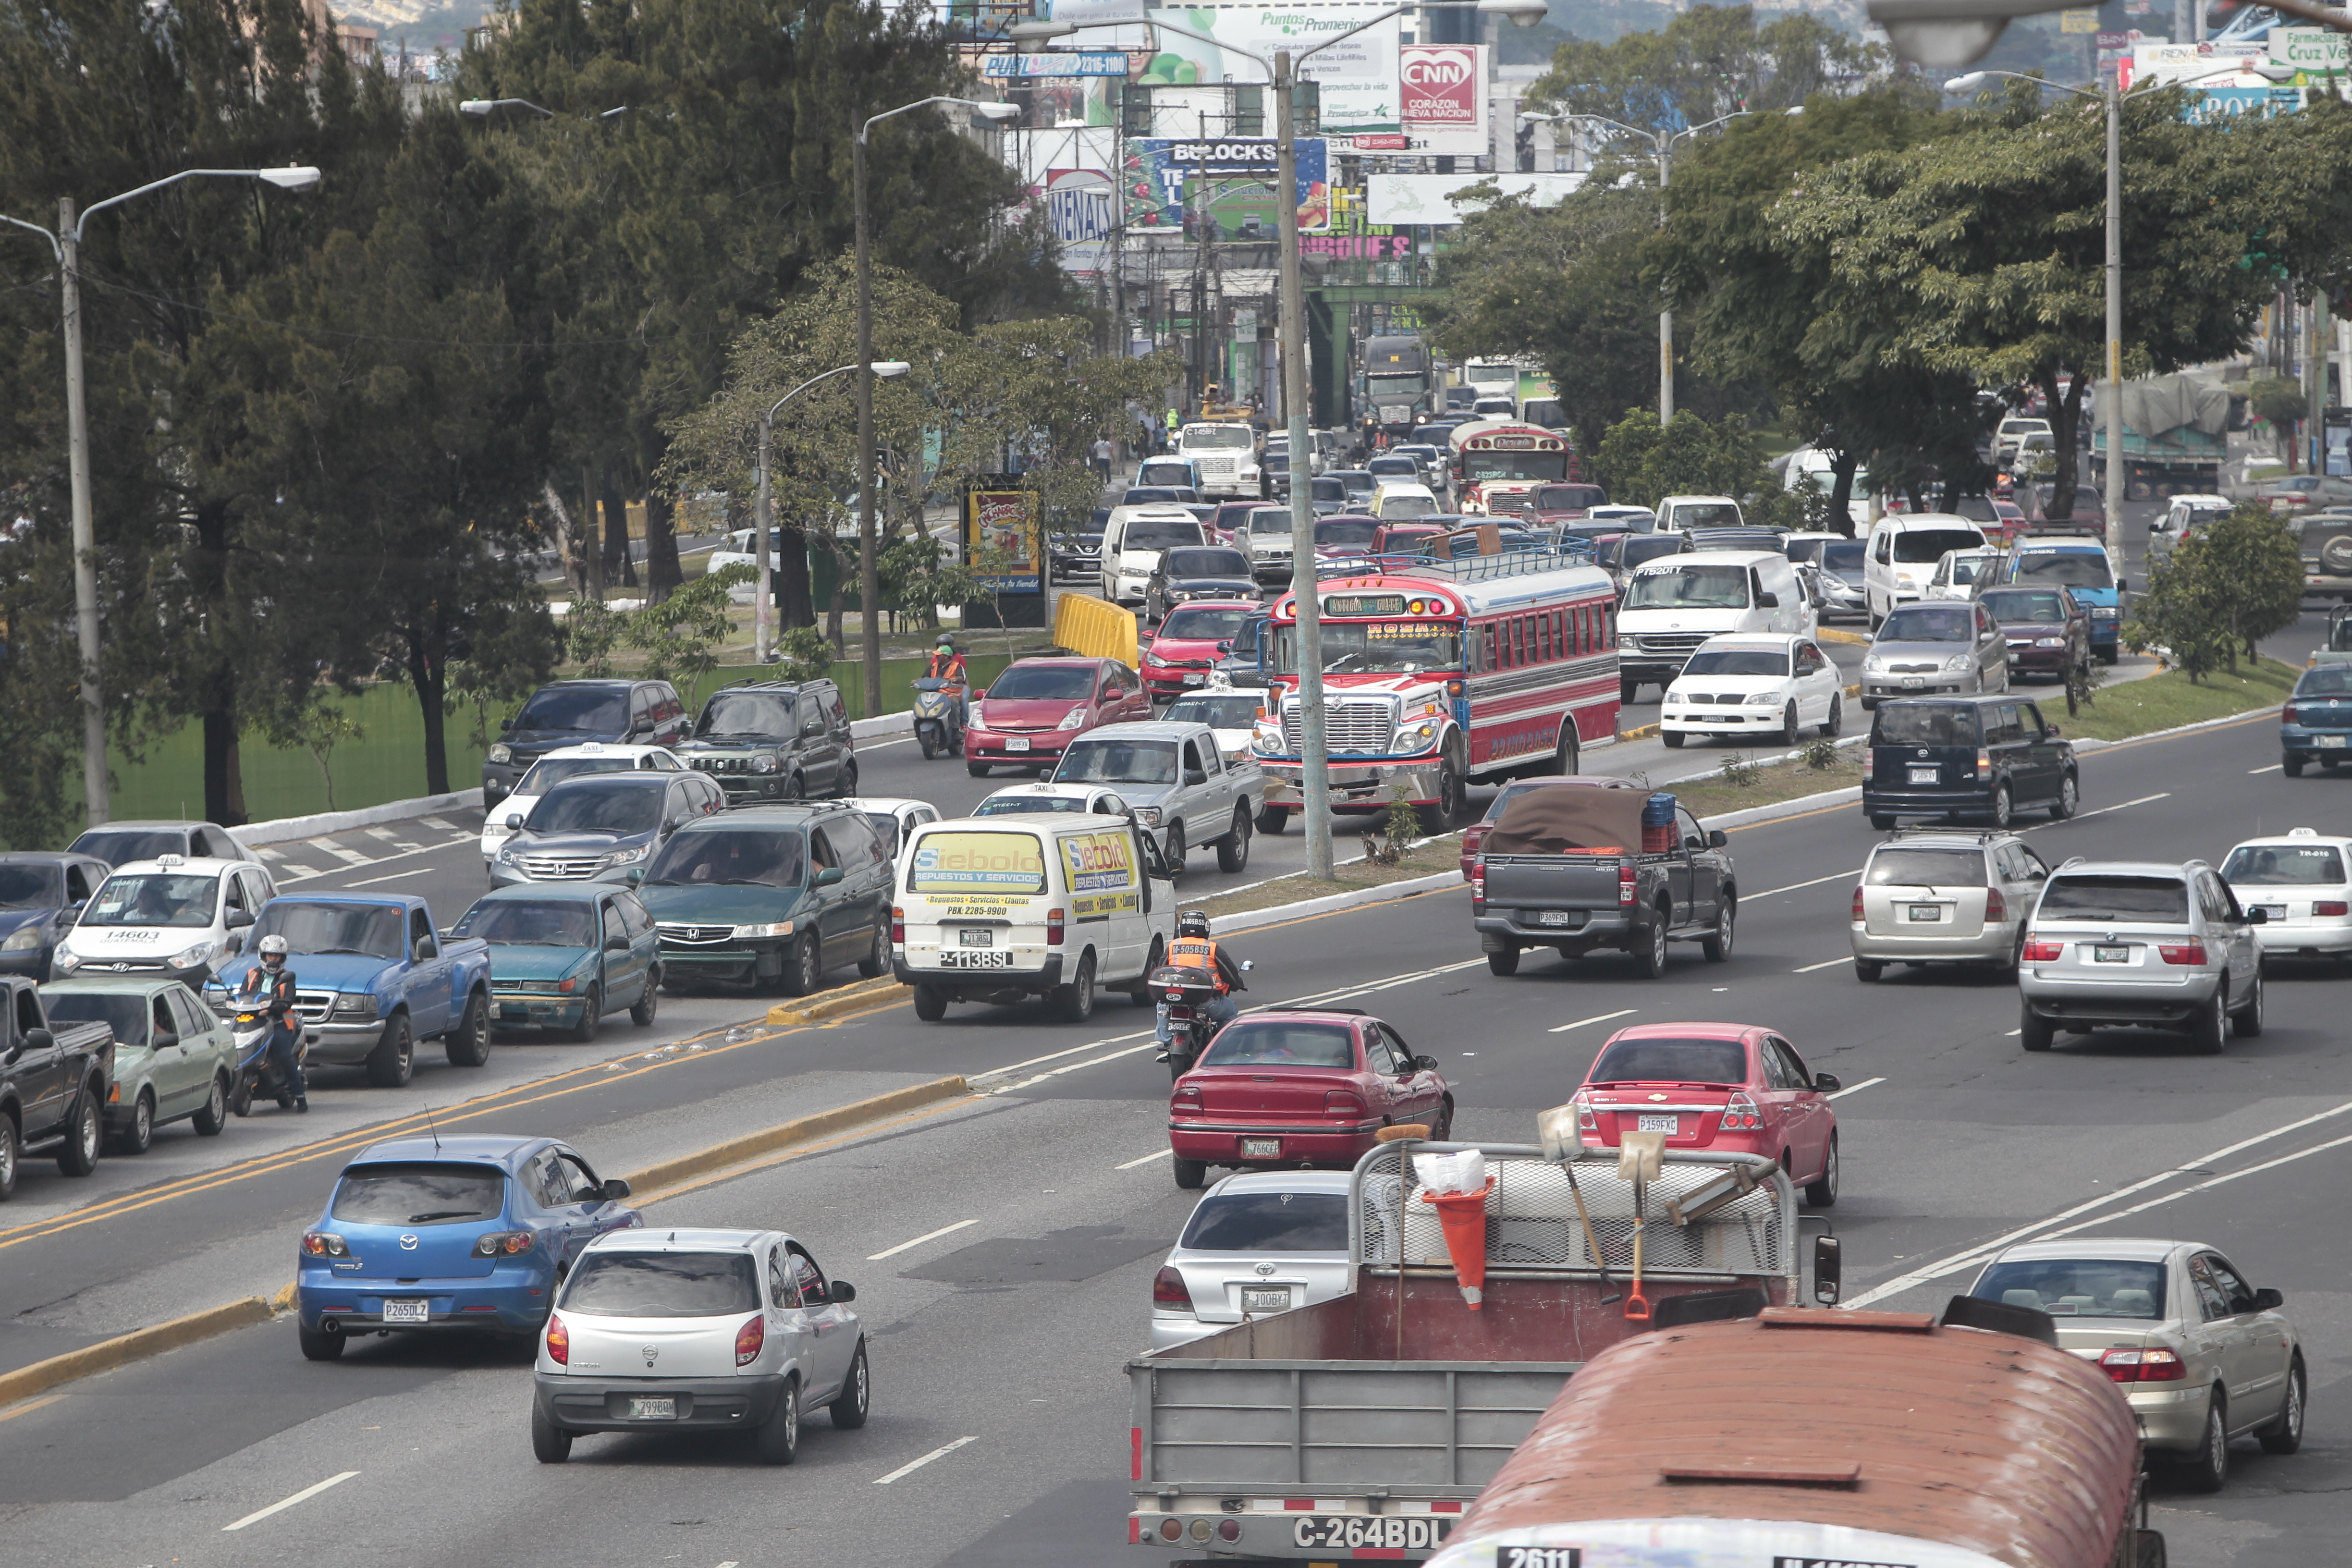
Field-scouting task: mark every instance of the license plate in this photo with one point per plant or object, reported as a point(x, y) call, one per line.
point(1276, 1299)
point(2273, 914)
point(2111, 955)
point(652, 1409)
point(1926, 775)
point(1914, 682)
point(403, 1311)
point(1658, 1124)
point(1260, 1148)
point(975, 938)
point(982, 959)
point(1195, 677)
point(1555, 918)
point(1017, 742)
point(1926, 912)
point(2332, 742)
point(1386, 1532)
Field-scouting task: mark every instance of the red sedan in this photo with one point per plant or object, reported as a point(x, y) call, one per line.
point(1183, 650)
point(1733, 1086)
point(1305, 1088)
point(1038, 706)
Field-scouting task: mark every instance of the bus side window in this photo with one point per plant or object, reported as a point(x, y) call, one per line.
point(1486, 647)
point(1546, 647)
point(1608, 628)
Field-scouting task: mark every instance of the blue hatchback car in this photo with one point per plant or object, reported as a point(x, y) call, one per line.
point(427, 1235)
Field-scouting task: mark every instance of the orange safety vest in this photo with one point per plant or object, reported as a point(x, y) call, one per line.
point(953, 669)
point(1197, 952)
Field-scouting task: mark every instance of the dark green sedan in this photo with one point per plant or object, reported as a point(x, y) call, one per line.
point(766, 895)
point(562, 957)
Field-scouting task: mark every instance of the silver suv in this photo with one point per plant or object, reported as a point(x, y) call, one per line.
point(2140, 946)
point(1936, 896)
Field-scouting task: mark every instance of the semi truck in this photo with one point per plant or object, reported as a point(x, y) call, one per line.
point(1397, 383)
point(2175, 437)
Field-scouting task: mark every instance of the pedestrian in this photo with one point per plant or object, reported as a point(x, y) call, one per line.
point(1104, 453)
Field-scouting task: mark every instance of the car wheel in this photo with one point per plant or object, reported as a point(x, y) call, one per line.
point(7, 1158)
point(318, 1344)
point(977, 770)
point(1192, 1176)
point(1718, 947)
point(845, 782)
point(2285, 1435)
point(1274, 819)
point(1835, 723)
point(850, 1407)
point(1452, 796)
point(1673, 739)
point(394, 1061)
point(779, 1442)
point(1788, 726)
point(1503, 960)
point(1441, 1127)
point(2206, 1029)
point(2035, 1032)
point(2001, 806)
point(876, 963)
point(591, 1017)
point(1824, 1193)
point(1075, 1002)
point(1651, 961)
point(1234, 850)
point(804, 967)
point(930, 1004)
point(550, 1444)
point(2017, 951)
point(1868, 970)
point(1140, 992)
point(2247, 1024)
point(1172, 849)
point(2206, 1468)
point(138, 1134)
point(1882, 823)
point(2291, 765)
point(648, 1002)
point(468, 1045)
point(80, 1156)
point(213, 1114)
point(2069, 798)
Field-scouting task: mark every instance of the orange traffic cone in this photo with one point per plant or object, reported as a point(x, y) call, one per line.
point(1464, 1216)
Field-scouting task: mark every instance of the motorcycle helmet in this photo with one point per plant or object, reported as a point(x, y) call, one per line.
point(271, 947)
point(1192, 923)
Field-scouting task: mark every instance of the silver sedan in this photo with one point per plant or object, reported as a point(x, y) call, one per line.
point(1925, 649)
point(1259, 1243)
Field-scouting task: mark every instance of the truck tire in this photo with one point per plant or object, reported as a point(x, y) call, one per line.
point(1503, 960)
point(394, 1061)
point(1272, 819)
point(1172, 849)
point(80, 1156)
point(930, 1004)
point(1075, 1002)
point(1452, 796)
point(468, 1045)
point(1233, 848)
point(1650, 958)
point(1718, 947)
point(8, 1160)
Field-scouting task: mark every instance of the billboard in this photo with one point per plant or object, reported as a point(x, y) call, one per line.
point(1230, 176)
point(1430, 198)
point(1005, 524)
point(1358, 78)
point(1442, 97)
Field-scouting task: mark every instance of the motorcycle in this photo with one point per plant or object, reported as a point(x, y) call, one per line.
point(255, 1074)
point(1186, 992)
point(938, 729)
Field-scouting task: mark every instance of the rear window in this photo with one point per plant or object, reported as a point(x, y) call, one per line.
point(2249, 866)
point(1030, 804)
point(1284, 1044)
point(1929, 623)
point(979, 864)
point(1925, 868)
point(2163, 900)
point(2074, 568)
point(1043, 683)
point(1924, 724)
point(2076, 1287)
point(419, 1195)
point(1269, 1222)
point(2327, 681)
point(1207, 563)
point(124, 1012)
point(1925, 546)
point(1160, 534)
point(1568, 497)
point(663, 1285)
point(1672, 1061)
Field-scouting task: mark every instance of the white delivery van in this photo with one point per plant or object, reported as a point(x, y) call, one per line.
point(1134, 538)
point(1404, 501)
point(1677, 602)
point(1904, 549)
point(993, 909)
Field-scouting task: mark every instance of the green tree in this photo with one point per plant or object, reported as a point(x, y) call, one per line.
point(1708, 62)
point(680, 636)
point(1642, 462)
point(2279, 399)
point(2229, 584)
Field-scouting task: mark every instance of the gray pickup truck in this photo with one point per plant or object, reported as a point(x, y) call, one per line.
point(52, 1085)
point(1180, 787)
point(1571, 867)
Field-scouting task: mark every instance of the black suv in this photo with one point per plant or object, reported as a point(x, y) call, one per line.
point(1989, 756)
point(574, 712)
point(771, 739)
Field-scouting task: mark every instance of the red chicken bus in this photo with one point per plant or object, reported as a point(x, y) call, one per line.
point(1499, 464)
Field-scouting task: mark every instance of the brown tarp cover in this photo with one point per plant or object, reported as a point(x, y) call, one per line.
point(1556, 820)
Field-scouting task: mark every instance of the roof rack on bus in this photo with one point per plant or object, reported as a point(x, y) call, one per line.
point(1512, 561)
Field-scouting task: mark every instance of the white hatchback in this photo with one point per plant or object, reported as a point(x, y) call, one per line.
point(568, 762)
point(1259, 1243)
point(1765, 687)
point(2303, 883)
point(1959, 573)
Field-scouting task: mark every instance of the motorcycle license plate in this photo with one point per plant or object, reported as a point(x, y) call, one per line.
point(642, 1409)
point(1925, 913)
point(981, 959)
point(404, 1311)
point(1017, 742)
point(975, 939)
point(1275, 1298)
point(1658, 1124)
point(1260, 1148)
point(1926, 775)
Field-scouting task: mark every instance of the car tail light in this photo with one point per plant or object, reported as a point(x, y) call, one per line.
point(1996, 908)
point(1869, 764)
point(1171, 1529)
point(2039, 949)
point(1984, 763)
point(1187, 1097)
point(750, 1340)
point(2181, 951)
point(324, 1244)
point(1626, 891)
point(558, 1341)
point(1342, 1102)
point(1053, 919)
point(2152, 1365)
point(899, 925)
point(1585, 1121)
point(504, 1244)
point(1169, 1290)
point(1857, 906)
point(1478, 882)
point(1473, 836)
point(2288, 715)
point(1740, 1115)
point(2331, 907)
point(1229, 1529)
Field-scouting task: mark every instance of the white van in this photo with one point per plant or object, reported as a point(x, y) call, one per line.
point(1680, 514)
point(1403, 501)
point(989, 909)
point(1812, 466)
point(1133, 541)
point(1904, 549)
point(1677, 602)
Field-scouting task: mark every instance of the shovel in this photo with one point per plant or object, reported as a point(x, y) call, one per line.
point(1592, 1242)
point(1638, 1160)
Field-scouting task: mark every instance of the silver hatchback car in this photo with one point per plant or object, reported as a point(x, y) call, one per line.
point(2202, 1356)
point(1259, 1243)
point(2139, 945)
point(1936, 896)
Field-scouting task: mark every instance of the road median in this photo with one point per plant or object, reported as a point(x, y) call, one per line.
point(41, 1376)
point(834, 1003)
point(647, 1183)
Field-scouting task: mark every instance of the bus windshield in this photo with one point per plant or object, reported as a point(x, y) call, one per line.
point(1484, 466)
point(1376, 648)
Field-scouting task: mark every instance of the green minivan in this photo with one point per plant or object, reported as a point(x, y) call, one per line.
point(770, 894)
point(173, 1057)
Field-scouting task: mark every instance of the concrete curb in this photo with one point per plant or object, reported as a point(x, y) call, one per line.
point(286, 828)
point(647, 1183)
point(2093, 743)
point(1357, 897)
point(1749, 816)
point(833, 1004)
point(881, 724)
point(137, 1345)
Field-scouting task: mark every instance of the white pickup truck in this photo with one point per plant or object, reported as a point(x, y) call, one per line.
point(1182, 789)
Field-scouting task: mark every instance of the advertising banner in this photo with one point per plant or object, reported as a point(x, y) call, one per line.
point(1430, 198)
point(2162, 63)
point(1442, 97)
point(1005, 523)
point(1232, 177)
point(1024, 66)
point(1358, 78)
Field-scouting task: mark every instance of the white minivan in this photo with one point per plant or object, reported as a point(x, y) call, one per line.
point(1680, 514)
point(991, 909)
point(1677, 602)
point(1903, 551)
point(1134, 538)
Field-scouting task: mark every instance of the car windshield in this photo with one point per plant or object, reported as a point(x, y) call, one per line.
point(735, 856)
point(2094, 897)
point(1707, 514)
point(1276, 463)
point(31, 888)
point(2284, 866)
point(357, 930)
point(1924, 724)
point(1376, 648)
point(594, 709)
point(2076, 1287)
point(121, 849)
point(1030, 804)
point(530, 923)
point(1357, 481)
point(437, 1193)
point(1668, 1060)
point(1394, 467)
point(1159, 471)
point(2327, 681)
point(1160, 533)
point(749, 716)
point(1216, 713)
point(1925, 546)
point(1218, 437)
point(621, 808)
point(1929, 623)
point(1282, 1044)
point(1202, 624)
point(547, 773)
point(2010, 607)
point(1405, 507)
point(2074, 568)
point(1153, 495)
point(1207, 563)
point(663, 1285)
point(1738, 661)
point(1688, 588)
point(1270, 520)
point(1269, 1222)
point(155, 898)
point(1568, 497)
point(1844, 555)
point(124, 1012)
point(1118, 762)
point(1043, 683)
point(1909, 868)
point(1346, 530)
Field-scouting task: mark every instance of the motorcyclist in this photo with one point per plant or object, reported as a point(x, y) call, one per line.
point(946, 664)
point(273, 984)
point(1194, 948)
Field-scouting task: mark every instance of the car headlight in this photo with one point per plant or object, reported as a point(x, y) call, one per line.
point(764, 764)
point(1267, 742)
point(1959, 662)
point(502, 752)
point(191, 957)
point(973, 721)
point(771, 928)
point(1152, 660)
point(2049, 642)
point(24, 938)
point(506, 857)
point(1076, 719)
point(355, 1004)
point(1873, 665)
point(67, 961)
point(1147, 814)
point(1416, 737)
point(627, 856)
point(1763, 699)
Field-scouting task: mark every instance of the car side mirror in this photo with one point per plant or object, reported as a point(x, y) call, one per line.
point(814, 727)
point(1225, 646)
point(165, 1039)
point(2258, 916)
point(39, 1039)
point(1829, 1270)
point(2054, 730)
point(616, 1189)
point(1767, 600)
point(420, 950)
point(514, 822)
point(2268, 1300)
point(504, 725)
point(1425, 1064)
point(841, 1293)
point(617, 942)
point(1827, 1082)
point(239, 918)
point(828, 877)
point(1195, 776)
point(1716, 838)
point(72, 913)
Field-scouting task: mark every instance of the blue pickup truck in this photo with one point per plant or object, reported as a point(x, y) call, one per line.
point(374, 976)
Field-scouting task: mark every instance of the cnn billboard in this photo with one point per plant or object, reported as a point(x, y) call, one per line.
point(1442, 97)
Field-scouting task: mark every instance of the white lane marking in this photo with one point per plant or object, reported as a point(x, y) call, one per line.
point(309, 1491)
point(926, 1236)
point(2010, 1034)
point(877, 745)
point(1959, 1260)
point(941, 1452)
point(1851, 1088)
point(349, 856)
point(437, 822)
point(384, 833)
point(267, 852)
point(299, 872)
point(1831, 964)
point(401, 854)
point(1131, 1165)
point(2272, 769)
point(1596, 1018)
point(1834, 876)
point(2103, 811)
point(2201, 1186)
point(393, 877)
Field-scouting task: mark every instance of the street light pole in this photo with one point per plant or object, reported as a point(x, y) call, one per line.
point(765, 516)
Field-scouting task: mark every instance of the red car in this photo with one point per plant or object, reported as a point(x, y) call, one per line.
point(1306, 1088)
point(1400, 538)
point(1038, 706)
point(1345, 536)
point(1229, 516)
point(1181, 654)
point(1476, 834)
point(1733, 1087)
point(1548, 505)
